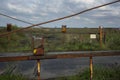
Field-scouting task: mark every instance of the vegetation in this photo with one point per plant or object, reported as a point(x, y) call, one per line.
point(100, 73)
point(73, 39)
point(55, 40)
point(12, 77)
point(10, 74)
point(14, 42)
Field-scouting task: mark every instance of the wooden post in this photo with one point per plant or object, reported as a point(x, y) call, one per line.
point(91, 68)
point(101, 36)
point(38, 69)
point(64, 29)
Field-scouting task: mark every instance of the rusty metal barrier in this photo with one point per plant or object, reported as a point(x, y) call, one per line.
point(75, 54)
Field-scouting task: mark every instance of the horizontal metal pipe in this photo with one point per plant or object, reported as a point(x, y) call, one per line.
point(61, 56)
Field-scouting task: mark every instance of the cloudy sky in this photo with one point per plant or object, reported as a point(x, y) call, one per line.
point(37, 11)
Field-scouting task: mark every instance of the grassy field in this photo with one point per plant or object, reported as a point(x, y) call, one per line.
point(12, 77)
point(99, 73)
point(55, 40)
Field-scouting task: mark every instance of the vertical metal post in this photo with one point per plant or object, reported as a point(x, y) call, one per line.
point(64, 29)
point(42, 41)
point(91, 68)
point(38, 69)
point(32, 43)
point(9, 29)
point(104, 37)
point(101, 36)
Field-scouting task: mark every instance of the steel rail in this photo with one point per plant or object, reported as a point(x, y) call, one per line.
point(61, 56)
point(58, 19)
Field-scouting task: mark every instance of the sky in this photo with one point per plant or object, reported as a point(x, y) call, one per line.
point(37, 11)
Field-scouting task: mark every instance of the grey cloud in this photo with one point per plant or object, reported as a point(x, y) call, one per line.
point(37, 11)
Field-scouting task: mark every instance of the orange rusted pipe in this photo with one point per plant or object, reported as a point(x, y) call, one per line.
point(38, 69)
point(61, 56)
point(91, 68)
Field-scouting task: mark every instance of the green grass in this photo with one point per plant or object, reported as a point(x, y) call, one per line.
point(65, 42)
point(17, 42)
point(57, 41)
point(99, 73)
point(9, 73)
point(12, 77)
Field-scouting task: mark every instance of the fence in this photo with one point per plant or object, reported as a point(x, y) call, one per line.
point(77, 54)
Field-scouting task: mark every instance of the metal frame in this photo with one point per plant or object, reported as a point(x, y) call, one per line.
point(77, 54)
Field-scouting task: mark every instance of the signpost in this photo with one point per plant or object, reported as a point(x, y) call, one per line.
point(92, 36)
point(38, 50)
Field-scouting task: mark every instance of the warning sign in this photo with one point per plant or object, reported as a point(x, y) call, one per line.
point(92, 36)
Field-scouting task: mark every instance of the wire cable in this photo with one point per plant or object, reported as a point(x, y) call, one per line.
point(57, 19)
point(17, 19)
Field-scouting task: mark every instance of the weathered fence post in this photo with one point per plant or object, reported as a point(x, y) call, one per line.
point(32, 43)
point(91, 68)
point(9, 29)
point(101, 36)
point(38, 68)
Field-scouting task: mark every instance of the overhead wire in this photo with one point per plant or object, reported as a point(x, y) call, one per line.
point(57, 19)
point(16, 19)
